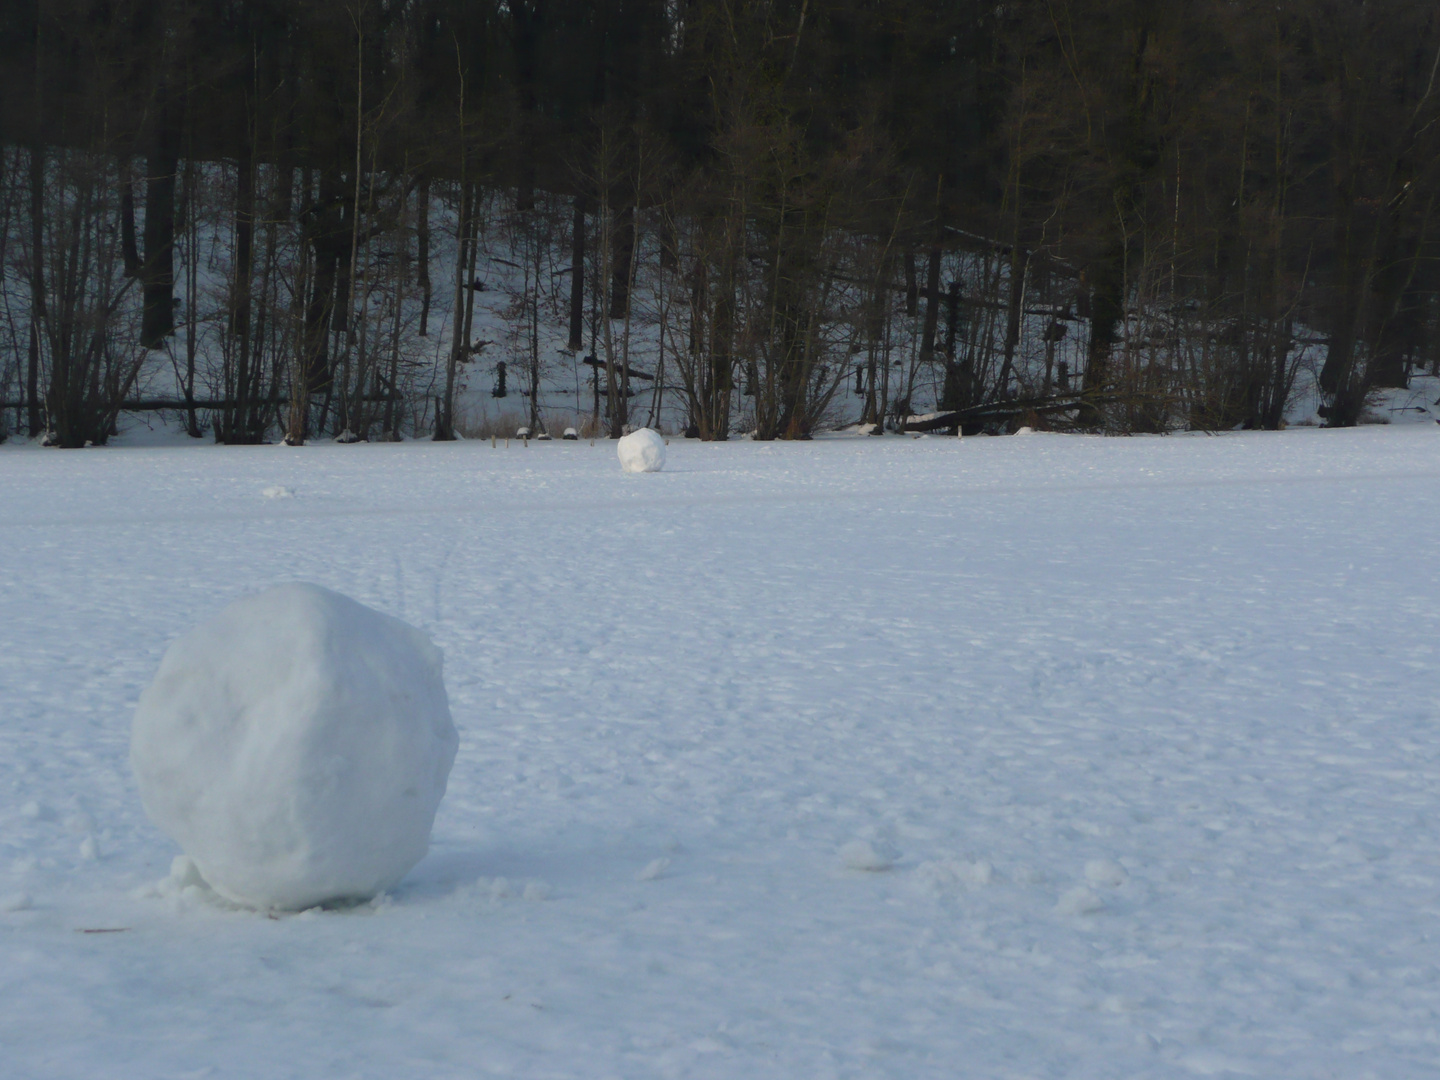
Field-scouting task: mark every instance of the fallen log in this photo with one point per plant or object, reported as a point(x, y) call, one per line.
point(990, 410)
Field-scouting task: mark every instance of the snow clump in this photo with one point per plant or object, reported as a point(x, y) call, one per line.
point(864, 855)
point(296, 747)
point(1105, 872)
point(1079, 901)
point(641, 451)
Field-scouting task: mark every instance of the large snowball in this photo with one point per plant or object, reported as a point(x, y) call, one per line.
point(296, 746)
point(641, 451)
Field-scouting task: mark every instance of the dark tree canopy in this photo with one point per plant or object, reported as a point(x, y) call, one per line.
point(1251, 167)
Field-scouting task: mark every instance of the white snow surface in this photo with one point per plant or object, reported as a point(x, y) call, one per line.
point(641, 451)
point(296, 747)
point(1017, 664)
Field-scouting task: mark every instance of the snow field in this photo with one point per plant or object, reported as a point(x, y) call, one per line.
point(1138, 738)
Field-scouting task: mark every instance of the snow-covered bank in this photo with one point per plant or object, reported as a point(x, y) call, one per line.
point(1143, 735)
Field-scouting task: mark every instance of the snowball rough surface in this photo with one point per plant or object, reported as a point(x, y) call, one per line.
point(296, 747)
point(641, 451)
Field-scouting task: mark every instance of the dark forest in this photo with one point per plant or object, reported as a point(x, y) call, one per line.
point(1183, 197)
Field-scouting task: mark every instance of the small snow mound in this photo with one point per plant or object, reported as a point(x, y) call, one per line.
point(535, 891)
point(296, 747)
point(183, 882)
point(641, 451)
point(34, 811)
point(1079, 901)
point(278, 491)
point(865, 855)
point(89, 849)
point(1025, 431)
point(183, 873)
point(978, 874)
point(939, 876)
point(570, 435)
point(1105, 872)
point(16, 902)
point(1027, 875)
point(654, 869)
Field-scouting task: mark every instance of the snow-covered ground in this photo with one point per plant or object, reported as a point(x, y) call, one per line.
point(1038, 756)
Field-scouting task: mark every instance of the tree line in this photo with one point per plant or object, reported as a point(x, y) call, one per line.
point(1107, 214)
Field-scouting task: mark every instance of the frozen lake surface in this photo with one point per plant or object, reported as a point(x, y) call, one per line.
point(1016, 757)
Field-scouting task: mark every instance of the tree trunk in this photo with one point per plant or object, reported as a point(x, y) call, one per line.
point(577, 276)
point(422, 253)
point(952, 318)
point(527, 19)
point(1337, 375)
point(326, 229)
point(912, 288)
point(461, 314)
point(932, 306)
point(1106, 310)
point(624, 247)
point(128, 247)
point(1019, 260)
point(234, 423)
point(158, 270)
point(37, 286)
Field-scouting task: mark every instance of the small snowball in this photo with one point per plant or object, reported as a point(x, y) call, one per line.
point(1105, 872)
point(16, 902)
point(1079, 901)
point(863, 855)
point(89, 849)
point(278, 491)
point(641, 451)
point(33, 810)
point(653, 869)
point(296, 746)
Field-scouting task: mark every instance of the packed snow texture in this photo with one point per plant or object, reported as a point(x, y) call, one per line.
point(641, 451)
point(296, 746)
point(1009, 665)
